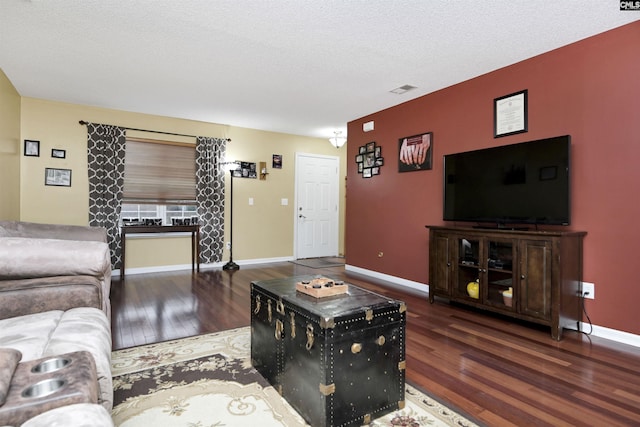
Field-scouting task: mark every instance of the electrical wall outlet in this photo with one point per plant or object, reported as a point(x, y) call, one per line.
point(588, 290)
point(228, 245)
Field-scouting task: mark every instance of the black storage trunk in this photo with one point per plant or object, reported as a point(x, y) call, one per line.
point(339, 360)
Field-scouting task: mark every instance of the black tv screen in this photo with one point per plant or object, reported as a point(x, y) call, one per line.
point(525, 183)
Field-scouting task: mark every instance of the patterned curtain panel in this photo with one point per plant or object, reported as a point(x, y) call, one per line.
point(210, 197)
point(106, 150)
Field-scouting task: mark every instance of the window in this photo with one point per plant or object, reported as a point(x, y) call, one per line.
point(137, 212)
point(159, 181)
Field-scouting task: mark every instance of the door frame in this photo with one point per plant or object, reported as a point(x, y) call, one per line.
point(295, 201)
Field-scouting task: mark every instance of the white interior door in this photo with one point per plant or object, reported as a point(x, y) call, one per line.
point(316, 205)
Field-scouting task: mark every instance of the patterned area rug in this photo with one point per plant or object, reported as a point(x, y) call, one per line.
point(324, 262)
point(207, 381)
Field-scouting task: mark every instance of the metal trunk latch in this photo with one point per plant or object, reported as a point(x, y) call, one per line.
point(309, 336)
point(257, 309)
point(292, 315)
point(279, 329)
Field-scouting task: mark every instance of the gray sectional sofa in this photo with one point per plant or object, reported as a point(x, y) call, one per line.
point(54, 302)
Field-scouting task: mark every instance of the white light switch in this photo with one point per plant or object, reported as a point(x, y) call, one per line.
point(284, 202)
point(250, 201)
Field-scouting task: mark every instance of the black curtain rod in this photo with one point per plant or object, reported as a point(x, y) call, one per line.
point(82, 122)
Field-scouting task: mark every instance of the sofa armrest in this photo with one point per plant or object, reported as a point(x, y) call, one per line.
point(28, 296)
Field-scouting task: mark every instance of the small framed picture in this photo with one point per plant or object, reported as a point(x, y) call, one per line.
point(31, 148)
point(58, 153)
point(277, 161)
point(366, 173)
point(57, 177)
point(371, 146)
point(369, 160)
point(415, 152)
point(510, 114)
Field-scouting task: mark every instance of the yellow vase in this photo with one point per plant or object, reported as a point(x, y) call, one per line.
point(473, 289)
point(507, 297)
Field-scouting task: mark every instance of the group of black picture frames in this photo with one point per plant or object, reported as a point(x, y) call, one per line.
point(414, 154)
point(369, 160)
point(52, 176)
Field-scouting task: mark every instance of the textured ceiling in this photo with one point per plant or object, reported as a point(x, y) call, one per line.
point(303, 67)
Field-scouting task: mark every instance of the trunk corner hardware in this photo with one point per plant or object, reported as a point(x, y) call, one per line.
point(327, 322)
point(326, 390)
point(368, 315)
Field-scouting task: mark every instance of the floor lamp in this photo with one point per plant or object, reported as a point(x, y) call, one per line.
point(231, 266)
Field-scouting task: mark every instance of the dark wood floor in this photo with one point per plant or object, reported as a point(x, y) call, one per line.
point(498, 371)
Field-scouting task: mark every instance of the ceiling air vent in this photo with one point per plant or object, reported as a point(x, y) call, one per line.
point(402, 89)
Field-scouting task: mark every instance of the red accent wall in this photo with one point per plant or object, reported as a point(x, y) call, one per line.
point(589, 90)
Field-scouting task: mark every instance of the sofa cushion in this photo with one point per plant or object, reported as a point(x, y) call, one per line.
point(58, 332)
point(26, 296)
point(78, 415)
point(86, 329)
point(26, 258)
point(22, 258)
point(29, 334)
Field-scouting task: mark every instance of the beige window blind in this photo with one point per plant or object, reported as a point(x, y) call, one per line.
point(159, 172)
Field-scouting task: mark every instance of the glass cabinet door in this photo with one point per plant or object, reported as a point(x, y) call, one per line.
point(468, 271)
point(500, 288)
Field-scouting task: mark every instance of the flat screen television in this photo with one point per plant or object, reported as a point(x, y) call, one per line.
point(525, 183)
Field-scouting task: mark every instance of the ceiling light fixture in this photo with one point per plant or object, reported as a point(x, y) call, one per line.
point(337, 140)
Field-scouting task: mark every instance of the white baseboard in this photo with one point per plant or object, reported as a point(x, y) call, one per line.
point(598, 331)
point(612, 334)
point(422, 288)
point(179, 267)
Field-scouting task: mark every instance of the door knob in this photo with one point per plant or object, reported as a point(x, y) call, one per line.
point(301, 216)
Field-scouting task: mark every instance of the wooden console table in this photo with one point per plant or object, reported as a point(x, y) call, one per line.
point(140, 229)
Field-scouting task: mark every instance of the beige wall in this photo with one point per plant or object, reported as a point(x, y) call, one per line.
point(10, 150)
point(262, 231)
point(266, 229)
